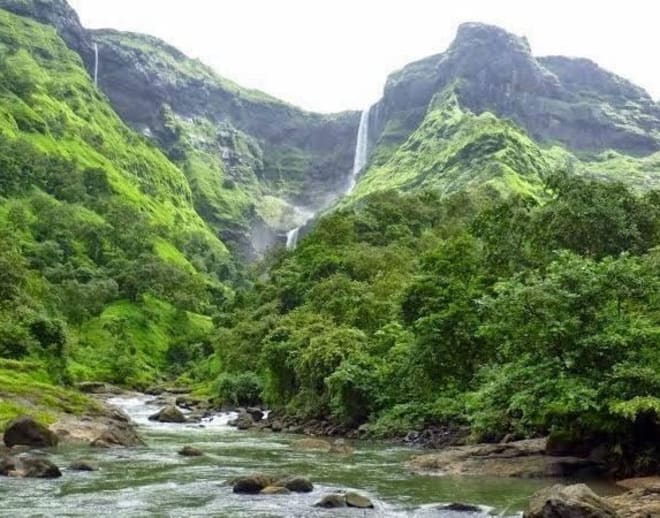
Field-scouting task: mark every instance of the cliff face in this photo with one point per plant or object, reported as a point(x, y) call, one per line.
point(556, 100)
point(254, 163)
point(266, 156)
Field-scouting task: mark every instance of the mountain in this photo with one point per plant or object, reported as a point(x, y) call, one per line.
point(572, 102)
point(256, 165)
point(487, 113)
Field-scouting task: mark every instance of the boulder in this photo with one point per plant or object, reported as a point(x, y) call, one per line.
point(331, 501)
point(357, 500)
point(117, 434)
point(297, 484)
point(35, 467)
point(276, 426)
point(275, 490)
point(92, 387)
point(251, 484)
point(640, 483)
point(576, 501)
point(189, 451)
point(168, 414)
point(28, 432)
point(525, 459)
point(7, 465)
point(256, 413)
point(641, 502)
point(244, 421)
point(81, 465)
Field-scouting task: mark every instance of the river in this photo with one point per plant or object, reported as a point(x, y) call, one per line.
point(153, 481)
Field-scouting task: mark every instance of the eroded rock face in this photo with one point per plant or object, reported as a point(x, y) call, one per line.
point(28, 432)
point(60, 15)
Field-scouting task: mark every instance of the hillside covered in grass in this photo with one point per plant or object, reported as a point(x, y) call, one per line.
point(106, 264)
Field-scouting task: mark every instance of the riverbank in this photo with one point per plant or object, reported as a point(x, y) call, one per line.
point(397, 479)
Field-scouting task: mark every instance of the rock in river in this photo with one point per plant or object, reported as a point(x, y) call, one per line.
point(331, 501)
point(29, 467)
point(252, 484)
point(577, 501)
point(28, 432)
point(297, 484)
point(168, 414)
point(189, 451)
point(275, 490)
point(357, 500)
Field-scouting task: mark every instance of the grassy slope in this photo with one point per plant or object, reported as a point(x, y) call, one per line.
point(48, 102)
point(454, 150)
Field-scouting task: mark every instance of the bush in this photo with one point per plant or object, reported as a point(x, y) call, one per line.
point(240, 389)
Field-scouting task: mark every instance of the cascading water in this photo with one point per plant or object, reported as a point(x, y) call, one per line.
point(359, 163)
point(361, 149)
point(292, 238)
point(96, 64)
point(302, 215)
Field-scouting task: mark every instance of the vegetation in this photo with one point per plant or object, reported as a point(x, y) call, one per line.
point(463, 283)
point(505, 315)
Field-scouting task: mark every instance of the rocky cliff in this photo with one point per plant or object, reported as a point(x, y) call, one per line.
point(572, 102)
point(267, 156)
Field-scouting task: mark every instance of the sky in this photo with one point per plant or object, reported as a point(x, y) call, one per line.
point(332, 55)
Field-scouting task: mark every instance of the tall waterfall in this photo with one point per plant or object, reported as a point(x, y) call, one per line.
point(359, 162)
point(361, 149)
point(96, 64)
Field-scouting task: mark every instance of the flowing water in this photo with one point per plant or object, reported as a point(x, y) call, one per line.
point(153, 481)
point(96, 64)
point(361, 149)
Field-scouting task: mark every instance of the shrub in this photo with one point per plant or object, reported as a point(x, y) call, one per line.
point(240, 389)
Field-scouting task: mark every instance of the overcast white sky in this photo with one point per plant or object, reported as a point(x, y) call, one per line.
point(331, 55)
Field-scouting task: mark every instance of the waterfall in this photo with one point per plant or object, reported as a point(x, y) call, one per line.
point(359, 163)
point(361, 149)
point(292, 238)
point(96, 64)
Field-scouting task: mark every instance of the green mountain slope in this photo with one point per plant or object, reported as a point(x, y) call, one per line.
point(106, 263)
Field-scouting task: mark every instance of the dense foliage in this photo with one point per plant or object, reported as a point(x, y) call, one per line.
point(509, 316)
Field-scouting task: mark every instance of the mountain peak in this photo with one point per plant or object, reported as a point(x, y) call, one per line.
point(471, 34)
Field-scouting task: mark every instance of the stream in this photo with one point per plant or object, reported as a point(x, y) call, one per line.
point(154, 481)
